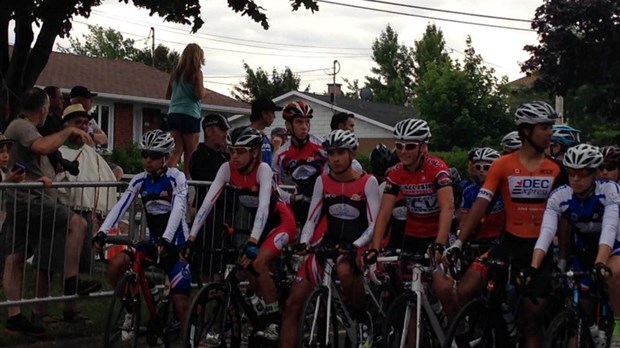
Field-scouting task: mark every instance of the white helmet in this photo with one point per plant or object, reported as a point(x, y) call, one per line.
point(412, 129)
point(582, 156)
point(534, 113)
point(485, 154)
point(511, 141)
point(157, 141)
point(340, 139)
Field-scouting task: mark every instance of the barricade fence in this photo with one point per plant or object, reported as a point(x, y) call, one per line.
point(46, 232)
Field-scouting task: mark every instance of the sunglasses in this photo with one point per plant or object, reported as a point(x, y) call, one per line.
point(608, 167)
point(406, 146)
point(484, 167)
point(154, 155)
point(580, 173)
point(239, 150)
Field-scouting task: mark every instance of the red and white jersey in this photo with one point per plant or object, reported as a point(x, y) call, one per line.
point(419, 190)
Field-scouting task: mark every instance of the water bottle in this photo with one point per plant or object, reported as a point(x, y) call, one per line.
point(509, 319)
point(258, 304)
point(438, 309)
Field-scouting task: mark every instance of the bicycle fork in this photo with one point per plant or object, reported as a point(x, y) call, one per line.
point(417, 289)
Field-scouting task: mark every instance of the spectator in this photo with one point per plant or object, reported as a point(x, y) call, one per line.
point(28, 211)
point(343, 120)
point(205, 163)
point(16, 174)
point(185, 91)
point(279, 136)
point(263, 114)
point(53, 122)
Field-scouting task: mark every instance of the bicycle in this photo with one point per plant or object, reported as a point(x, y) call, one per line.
point(429, 328)
point(125, 314)
point(481, 322)
point(572, 327)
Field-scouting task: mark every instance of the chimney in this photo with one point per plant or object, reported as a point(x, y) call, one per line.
point(334, 88)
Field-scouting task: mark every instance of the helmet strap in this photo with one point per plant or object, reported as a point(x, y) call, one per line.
point(159, 172)
point(298, 142)
point(248, 167)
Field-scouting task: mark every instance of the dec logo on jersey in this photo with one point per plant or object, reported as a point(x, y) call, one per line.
point(531, 187)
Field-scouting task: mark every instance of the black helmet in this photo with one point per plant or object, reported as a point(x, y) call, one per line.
point(245, 136)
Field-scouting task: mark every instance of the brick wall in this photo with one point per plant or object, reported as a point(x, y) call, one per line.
point(123, 124)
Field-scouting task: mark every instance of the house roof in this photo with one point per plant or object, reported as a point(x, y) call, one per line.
point(121, 79)
point(525, 81)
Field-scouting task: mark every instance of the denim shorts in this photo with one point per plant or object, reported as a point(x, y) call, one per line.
point(183, 123)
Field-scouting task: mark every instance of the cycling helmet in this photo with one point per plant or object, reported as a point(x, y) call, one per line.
point(582, 156)
point(471, 153)
point(245, 136)
point(566, 135)
point(455, 176)
point(534, 113)
point(340, 139)
point(412, 129)
point(381, 158)
point(611, 154)
point(511, 141)
point(157, 141)
point(485, 154)
point(297, 109)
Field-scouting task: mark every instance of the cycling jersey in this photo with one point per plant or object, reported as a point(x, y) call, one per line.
point(350, 210)
point(164, 201)
point(419, 190)
point(596, 216)
point(493, 223)
point(524, 192)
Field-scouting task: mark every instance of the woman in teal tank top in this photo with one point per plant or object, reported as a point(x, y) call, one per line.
point(185, 91)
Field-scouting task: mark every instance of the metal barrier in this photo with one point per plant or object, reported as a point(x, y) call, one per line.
point(43, 260)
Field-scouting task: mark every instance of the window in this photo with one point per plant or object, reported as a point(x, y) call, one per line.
point(102, 114)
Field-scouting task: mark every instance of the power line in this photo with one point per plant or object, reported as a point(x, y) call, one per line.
point(425, 17)
point(449, 11)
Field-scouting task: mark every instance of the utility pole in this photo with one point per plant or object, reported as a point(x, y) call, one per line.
point(153, 46)
point(335, 72)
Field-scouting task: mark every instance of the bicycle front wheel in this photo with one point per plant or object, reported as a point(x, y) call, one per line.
point(566, 330)
point(123, 323)
point(401, 322)
point(314, 328)
point(213, 319)
point(476, 326)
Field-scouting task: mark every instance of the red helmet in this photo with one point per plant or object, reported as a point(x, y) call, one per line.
point(297, 109)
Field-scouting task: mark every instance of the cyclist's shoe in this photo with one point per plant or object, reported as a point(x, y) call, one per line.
point(19, 324)
point(212, 339)
point(81, 287)
point(271, 333)
point(364, 332)
point(127, 333)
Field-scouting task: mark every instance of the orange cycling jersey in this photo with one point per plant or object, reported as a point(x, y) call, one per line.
point(524, 192)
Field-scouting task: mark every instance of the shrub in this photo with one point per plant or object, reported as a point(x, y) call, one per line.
point(128, 157)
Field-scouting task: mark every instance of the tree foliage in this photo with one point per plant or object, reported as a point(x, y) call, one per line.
point(22, 67)
point(260, 83)
point(394, 70)
point(464, 103)
point(430, 49)
point(353, 88)
point(577, 52)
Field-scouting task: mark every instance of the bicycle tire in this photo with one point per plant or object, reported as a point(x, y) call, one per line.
point(563, 329)
point(307, 336)
point(478, 326)
point(395, 319)
point(171, 331)
point(208, 305)
point(122, 301)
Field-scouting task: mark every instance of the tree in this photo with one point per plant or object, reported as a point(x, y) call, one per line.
point(110, 43)
point(394, 70)
point(354, 89)
point(20, 69)
point(430, 49)
point(463, 102)
point(579, 45)
point(260, 84)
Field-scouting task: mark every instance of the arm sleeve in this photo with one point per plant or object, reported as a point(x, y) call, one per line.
point(119, 209)
point(219, 183)
point(179, 206)
point(373, 201)
point(356, 165)
point(609, 229)
point(549, 226)
point(264, 178)
point(488, 189)
point(314, 213)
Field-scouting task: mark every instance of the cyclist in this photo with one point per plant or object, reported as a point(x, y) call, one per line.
point(525, 179)
point(591, 208)
point(511, 142)
point(563, 138)
point(274, 223)
point(163, 192)
point(381, 159)
point(301, 158)
point(611, 163)
point(343, 209)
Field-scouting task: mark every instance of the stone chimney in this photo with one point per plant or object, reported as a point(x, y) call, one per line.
point(334, 90)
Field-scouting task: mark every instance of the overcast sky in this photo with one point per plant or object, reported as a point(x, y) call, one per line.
point(309, 43)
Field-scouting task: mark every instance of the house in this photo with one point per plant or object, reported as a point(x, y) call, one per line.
point(373, 121)
point(131, 95)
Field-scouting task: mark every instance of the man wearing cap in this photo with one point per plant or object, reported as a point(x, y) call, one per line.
point(263, 114)
point(204, 164)
point(82, 95)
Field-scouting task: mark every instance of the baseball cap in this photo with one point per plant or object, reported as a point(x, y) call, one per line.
point(73, 111)
point(215, 120)
point(81, 91)
point(264, 104)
